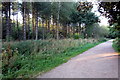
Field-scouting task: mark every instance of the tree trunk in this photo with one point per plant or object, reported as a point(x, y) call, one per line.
point(54, 36)
point(17, 27)
point(36, 27)
point(24, 21)
point(7, 12)
point(46, 26)
point(79, 30)
point(49, 26)
point(67, 31)
point(57, 31)
point(58, 17)
point(73, 30)
point(10, 29)
point(28, 26)
point(7, 25)
point(33, 17)
point(43, 36)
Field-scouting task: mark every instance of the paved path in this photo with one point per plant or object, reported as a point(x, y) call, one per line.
point(98, 62)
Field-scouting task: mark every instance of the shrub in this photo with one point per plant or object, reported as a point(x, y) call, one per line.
point(116, 44)
point(76, 36)
point(102, 39)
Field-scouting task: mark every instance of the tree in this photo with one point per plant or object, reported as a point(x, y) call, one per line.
point(24, 20)
point(46, 19)
point(6, 9)
point(112, 11)
point(84, 16)
point(66, 10)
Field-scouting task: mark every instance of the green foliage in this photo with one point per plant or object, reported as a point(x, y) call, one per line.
point(49, 36)
point(116, 44)
point(88, 18)
point(28, 58)
point(113, 32)
point(112, 11)
point(96, 31)
point(9, 38)
point(103, 39)
point(76, 36)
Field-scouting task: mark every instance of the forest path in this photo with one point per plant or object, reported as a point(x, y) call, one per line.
point(100, 61)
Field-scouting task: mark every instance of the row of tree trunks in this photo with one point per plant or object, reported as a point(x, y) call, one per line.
point(26, 27)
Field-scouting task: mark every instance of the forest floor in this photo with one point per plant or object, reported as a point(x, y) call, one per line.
point(100, 61)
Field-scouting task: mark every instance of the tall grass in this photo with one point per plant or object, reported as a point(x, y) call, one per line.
point(27, 58)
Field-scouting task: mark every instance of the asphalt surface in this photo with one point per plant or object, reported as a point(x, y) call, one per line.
point(100, 61)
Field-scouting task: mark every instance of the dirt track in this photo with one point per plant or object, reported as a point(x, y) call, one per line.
point(98, 62)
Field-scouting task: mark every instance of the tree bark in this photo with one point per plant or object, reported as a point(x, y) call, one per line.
point(57, 31)
point(33, 17)
point(36, 27)
point(28, 26)
point(49, 26)
point(43, 32)
point(7, 12)
point(10, 29)
point(17, 27)
point(24, 21)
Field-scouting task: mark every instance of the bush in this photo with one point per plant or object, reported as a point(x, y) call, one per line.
point(23, 47)
point(102, 39)
point(116, 44)
point(10, 38)
point(76, 36)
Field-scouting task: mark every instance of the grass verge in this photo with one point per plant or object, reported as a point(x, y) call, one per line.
point(27, 66)
point(64, 57)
